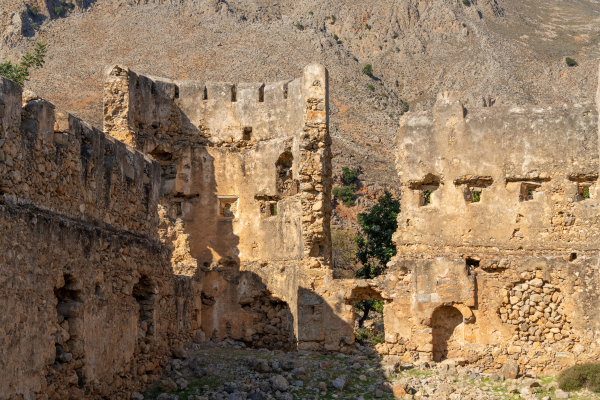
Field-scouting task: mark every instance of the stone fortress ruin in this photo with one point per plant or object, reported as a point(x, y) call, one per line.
point(203, 210)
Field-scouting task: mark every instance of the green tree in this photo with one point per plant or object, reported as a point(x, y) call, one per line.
point(368, 69)
point(19, 73)
point(345, 194)
point(375, 246)
point(349, 176)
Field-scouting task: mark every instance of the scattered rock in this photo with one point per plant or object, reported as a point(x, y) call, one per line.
point(510, 369)
point(339, 382)
point(136, 396)
point(167, 385)
point(180, 353)
point(278, 382)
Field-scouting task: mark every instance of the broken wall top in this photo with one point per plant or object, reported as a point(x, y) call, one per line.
point(514, 178)
point(155, 110)
point(51, 160)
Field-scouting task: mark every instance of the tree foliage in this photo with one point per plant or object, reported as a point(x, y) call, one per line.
point(343, 243)
point(19, 73)
point(375, 247)
point(345, 194)
point(349, 176)
point(368, 69)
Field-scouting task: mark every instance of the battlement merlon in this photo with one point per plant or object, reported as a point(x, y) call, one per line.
point(143, 111)
point(56, 162)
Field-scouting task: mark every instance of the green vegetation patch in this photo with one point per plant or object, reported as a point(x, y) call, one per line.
point(571, 62)
point(584, 376)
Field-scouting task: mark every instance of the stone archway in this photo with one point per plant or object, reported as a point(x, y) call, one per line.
point(446, 333)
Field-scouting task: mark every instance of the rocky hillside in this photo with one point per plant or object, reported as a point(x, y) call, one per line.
point(490, 51)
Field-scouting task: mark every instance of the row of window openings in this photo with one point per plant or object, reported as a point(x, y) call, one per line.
point(228, 211)
point(527, 194)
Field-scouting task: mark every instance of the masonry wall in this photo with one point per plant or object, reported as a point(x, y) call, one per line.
point(246, 181)
point(92, 308)
point(497, 237)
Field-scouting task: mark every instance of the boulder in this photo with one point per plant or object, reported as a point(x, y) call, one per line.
point(180, 353)
point(166, 385)
point(510, 369)
point(278, 382)
point(339, 382)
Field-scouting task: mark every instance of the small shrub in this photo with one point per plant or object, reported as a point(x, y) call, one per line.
point(333, 19)
point(368, 144)
point(397, 49)
point(339, 42)
point(34, 25)
point(395, 35)
point(391, 115)
point(299, 26)
point(345, 194)
point(310, 12)
point(384, 95)
point(58, 10)
point(466, 2)
point(368, 26)
point(349, 175)
point(33, 10)
point(570, 62)
point(71, 5)
point(368, 69)
point(380, 47)
point(579, 377)
point(371, 87)
point(335, 37)
point(405, 107)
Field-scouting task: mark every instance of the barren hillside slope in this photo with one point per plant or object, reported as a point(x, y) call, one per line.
point(490, 51)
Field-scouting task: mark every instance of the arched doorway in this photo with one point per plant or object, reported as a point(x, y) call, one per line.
point(447, 335)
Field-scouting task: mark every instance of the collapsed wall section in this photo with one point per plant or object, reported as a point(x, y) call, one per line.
point(92, 308)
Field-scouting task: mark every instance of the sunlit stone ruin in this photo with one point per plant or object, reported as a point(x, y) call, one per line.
point(203, 211)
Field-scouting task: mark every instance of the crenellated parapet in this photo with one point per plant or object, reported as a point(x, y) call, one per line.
point(51, 160)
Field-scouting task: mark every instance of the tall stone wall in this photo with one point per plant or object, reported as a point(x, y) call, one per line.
point(246, 184)
point(497, 238)
point(91, 307)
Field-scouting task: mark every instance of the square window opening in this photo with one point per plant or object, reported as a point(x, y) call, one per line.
point(475, 196)
point(273, 208)
point(427, 191)
point(583, 192)
point(227, 208)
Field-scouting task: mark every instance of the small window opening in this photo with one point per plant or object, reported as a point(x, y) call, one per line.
point(178, 209)
point(572, 256)
point(152, 88)
point(247, 133)
point(273, 209)
point(205, 94)
point(583, 192)
point(261, 94)
point(176, 91)
point(528, 190)
point(476, 195)
point(285, 91)
point(427, 197)
point(472, 262)
point(227, 207)
point(233, 94)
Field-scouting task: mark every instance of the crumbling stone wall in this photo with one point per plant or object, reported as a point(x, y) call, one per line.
point(245, 182)
point(497, 225)
point(91, 307)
